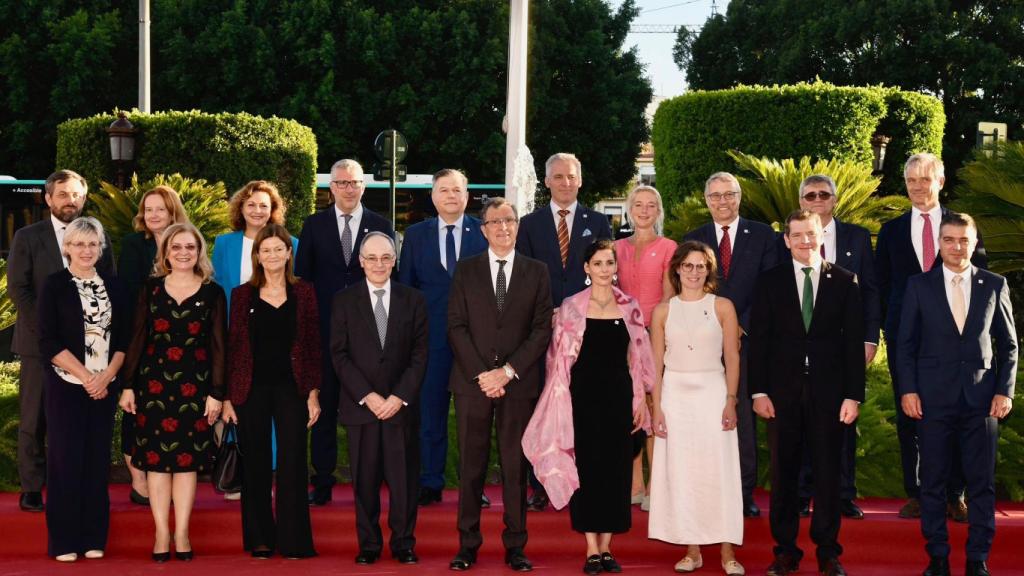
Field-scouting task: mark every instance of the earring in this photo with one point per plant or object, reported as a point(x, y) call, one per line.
point(587, 280)
point(615, 279)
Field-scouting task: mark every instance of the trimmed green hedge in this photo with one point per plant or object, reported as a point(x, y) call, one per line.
point(692, 132)
point(225, 147)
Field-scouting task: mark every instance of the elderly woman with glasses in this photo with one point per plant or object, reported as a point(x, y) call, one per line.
point(83, 324)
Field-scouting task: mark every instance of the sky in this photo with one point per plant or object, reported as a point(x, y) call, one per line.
point(656, 49)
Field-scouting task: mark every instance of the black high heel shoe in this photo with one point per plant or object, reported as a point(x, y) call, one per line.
point(161, 557)
point(137, 498)
point(184, 556)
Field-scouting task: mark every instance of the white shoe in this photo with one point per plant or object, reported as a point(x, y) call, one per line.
point(94, 554)
point(733, 568)
point(645, 503)
point(233, 495)
point(688, 564)
point(637, 498)
point(71, 557)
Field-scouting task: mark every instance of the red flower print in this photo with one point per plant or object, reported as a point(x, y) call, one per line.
point(201, 354)
point(150, 349)
point(201, 425)
point(184, 459)
point(188, 390)
point(193, 328)
point(174, 353)
point(152, 458)
point(140, 420)
point(161, 325)
point(169, 424)
point(155, 387)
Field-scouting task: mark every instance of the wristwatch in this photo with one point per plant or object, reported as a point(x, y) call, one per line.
point(509, 372)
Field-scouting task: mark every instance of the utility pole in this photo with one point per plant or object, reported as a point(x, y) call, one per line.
point(144, 104)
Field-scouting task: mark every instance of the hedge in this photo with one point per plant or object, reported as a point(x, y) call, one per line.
point(692, 132)
point(225, 147)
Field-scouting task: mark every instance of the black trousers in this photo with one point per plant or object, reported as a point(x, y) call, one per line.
point(77, 501)
point(474, 416)
point(746, 430)
point(323, 438)
point(291, 534)
point(32, 424)
point(794, 426)
point(847, 468)
point(389, 452)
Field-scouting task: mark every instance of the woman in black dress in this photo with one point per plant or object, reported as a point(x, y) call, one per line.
point(274, 355)
point(175, 366)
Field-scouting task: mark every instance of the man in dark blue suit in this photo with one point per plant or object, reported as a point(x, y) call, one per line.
point(328, 257)
point(907, 245)
point(744, 249)
point(430, 251)
point(957, 369)
point(849, 246)
point(557, 235)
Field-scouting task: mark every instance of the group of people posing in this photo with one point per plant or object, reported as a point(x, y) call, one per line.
point(578, 351)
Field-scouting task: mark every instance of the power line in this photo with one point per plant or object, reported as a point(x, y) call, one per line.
point(669, 6)
point(660, 28)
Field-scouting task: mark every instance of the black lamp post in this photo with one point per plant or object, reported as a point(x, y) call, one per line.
point(878, 144)
point(122, 146)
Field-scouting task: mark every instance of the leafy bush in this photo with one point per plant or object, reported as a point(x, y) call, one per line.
point(9, 425)
point(992, 191)
point(228, 148)
point(8, 314)
point(203, 202)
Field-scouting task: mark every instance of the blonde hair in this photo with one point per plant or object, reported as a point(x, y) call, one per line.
point(202, 268)
point(659, 224)
point(171, 201)
point(84, 226)
point(927, 161)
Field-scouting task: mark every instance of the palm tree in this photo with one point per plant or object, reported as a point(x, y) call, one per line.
point(991, 190)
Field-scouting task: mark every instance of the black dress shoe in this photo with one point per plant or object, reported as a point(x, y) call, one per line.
point(609, 564)
point(782, 565)
point(31, 501)
point(161, 557)
point(366, 557)
point(463, 560)
point(184, 556)
point(262, 554)
point(406, 557)
point(849, 509)
point(537, 501)
point(937, 566)
point(320, 496)
point(805, 507)
point(137, 498)
point(750, 509)
point(429, 496)
point(485, 502)
point(592, 565)
point(976, 569)
point(516, 560)
point(831, 567)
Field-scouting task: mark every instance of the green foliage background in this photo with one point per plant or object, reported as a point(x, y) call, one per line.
point(225, 147)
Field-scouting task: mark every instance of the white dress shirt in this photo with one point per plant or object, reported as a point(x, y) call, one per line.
point(568, 217)
point(59, 228)
point(732, 232)
point(509, 261)
point(353, 224)
point(917, 228)
point(245, 272)
point(828, 240)
point(442, 238)
point(386, 297)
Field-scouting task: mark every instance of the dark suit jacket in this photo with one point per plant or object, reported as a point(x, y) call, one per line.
point(60, 315)
point(363, 366)
point(483, 339)
point(34, 257)
point(937, 362)
point(135, 263)
point(895, 262)
point(754, 251)
point(833, 348)
point(305, 357)
point(538, 239)
point(420, 267)
point(320, 259)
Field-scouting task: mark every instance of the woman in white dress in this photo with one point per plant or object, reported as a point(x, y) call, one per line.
point(695, 476)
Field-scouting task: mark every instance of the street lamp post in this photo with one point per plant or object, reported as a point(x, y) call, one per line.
point(122, 146)
point(878, 144)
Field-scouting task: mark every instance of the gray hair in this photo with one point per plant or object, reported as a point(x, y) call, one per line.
point(723, 177)
point(376, 234)
point(84, 226)
point(819, 179)
point(659, 224)
point(347, 164)
point(562, 157)
point(926, 160)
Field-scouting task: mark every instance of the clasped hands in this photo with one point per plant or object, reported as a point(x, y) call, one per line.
point(382, 408)
point(492, 383)
point(97, 382)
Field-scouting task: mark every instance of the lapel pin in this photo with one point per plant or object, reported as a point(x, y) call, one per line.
point(366, 230)
point(584, 214)
point(848, 254)
point(467, 229)
point(745, 231)
point(828, 275)
point(980, 281)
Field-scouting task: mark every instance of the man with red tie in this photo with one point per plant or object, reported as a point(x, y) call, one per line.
point(908, 245)
point(744, 249)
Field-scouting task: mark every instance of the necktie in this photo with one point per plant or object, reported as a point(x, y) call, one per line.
point(959, 306)
point(725, 251)
point(563, 236)
point(807, 306)
point(500, 286)
point(823, 257)
point(927, 244)
point(381, 315)
point(346, 239)
point(449, 250)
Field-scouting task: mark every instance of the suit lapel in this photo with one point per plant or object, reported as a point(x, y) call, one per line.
point(395, 310)
point(49, 238)
point(938, 284)
point(741, 243)
point(826, 289)
point(366, 304)
point(906, 233)
point(550, 228)
point(472, 239)
point(842, 244)
point(581, 222)
point(977, 297)
point(434, 255)
point(791, 298)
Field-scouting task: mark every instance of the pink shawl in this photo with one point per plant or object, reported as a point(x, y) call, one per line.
point(548, 440)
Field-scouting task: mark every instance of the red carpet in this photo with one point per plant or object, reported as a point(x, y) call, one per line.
point(881, 544)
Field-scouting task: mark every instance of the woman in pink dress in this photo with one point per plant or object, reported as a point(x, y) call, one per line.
point(643, 274)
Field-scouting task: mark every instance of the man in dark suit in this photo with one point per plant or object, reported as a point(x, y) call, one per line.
point(849, 246)
point(35, 255)
point(957, 369)
point(327, 257)
point(379, 349)
point(807, 380)
point(430, 251)
point(557, 235)
point(499, 325)
point(744, 249)
point(908, 245)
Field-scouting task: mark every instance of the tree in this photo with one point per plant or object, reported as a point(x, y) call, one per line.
point(969, 53)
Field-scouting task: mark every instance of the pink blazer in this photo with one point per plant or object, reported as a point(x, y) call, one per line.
point(548, 440)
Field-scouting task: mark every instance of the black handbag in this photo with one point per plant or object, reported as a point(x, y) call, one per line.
point(227, 469)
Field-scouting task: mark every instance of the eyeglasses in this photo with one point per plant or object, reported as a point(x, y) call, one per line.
point(84, 245)
point(386, 260)
point(690, 267)
point(498, 222)
point(346, 183)
point(718, 197)
point(820, 195)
